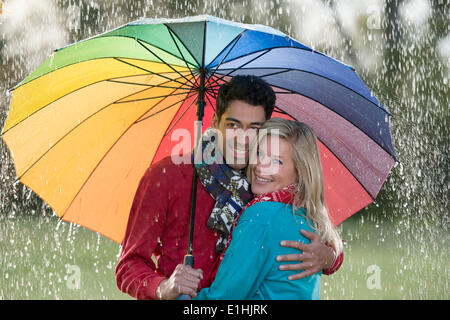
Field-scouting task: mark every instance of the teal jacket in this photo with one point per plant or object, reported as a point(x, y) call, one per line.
point(249, 270)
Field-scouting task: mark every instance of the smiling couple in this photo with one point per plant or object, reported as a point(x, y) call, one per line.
point(247, 222)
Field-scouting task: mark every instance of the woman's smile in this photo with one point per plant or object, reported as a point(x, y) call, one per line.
point(262, 180)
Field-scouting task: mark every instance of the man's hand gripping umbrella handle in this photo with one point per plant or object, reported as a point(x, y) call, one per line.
point(188, 261)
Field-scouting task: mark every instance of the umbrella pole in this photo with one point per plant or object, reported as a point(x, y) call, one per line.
point(189, 258)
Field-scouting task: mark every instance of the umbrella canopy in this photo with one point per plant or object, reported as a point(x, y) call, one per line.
point(85, 125)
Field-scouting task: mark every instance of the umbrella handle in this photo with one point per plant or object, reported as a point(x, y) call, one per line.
point(188, 261)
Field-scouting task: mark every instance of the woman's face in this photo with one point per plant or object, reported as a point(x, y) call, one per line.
point(274, 168)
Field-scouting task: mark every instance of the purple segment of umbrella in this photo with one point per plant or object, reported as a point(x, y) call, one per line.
point(359, 111)
point(364, 158)
point(313, 62)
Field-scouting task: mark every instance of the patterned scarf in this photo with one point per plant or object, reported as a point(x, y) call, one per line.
point(228, 187)
point(284, 195)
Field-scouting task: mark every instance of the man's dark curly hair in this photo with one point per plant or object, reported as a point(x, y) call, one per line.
point(250, 89)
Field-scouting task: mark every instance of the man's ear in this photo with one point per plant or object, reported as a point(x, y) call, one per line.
point(215, 121)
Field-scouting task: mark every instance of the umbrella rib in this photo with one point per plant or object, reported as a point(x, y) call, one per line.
point(170, 106)
point(275, 73)
point(148, 85)
point(182, 115)
point(343, 164)
point(144, 99)
point(280, 47)
point(369, 165)
point(271, 74)
point(151, 44)
point(79, 124)
point(103, 157)
point(148, 49)
point(85, 86)
point(217, 84)
point(187, 49)
point(295, 48)
point(71, 64)
point(243, 65)
point(207, 97)
point(151, 72)
point(212, 93)
point(265, 75)
point(214, 89)
point(184, 59)
point(356, 126)
point(236, 40)
point(317, 75)
point(346, 168)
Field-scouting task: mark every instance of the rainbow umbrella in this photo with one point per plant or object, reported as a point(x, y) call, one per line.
point(85, 125)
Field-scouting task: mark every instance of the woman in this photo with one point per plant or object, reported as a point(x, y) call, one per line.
point(288, 184)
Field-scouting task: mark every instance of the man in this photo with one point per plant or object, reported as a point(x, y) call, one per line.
point(159, 219)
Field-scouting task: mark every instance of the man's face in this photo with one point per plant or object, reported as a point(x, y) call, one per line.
point(238, 125)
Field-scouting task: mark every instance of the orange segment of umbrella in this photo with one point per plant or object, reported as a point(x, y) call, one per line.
point(128, 160)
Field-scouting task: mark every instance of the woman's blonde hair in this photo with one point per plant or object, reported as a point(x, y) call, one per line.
point(310, 188)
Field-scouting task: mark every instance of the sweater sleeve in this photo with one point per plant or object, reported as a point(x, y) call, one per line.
point(244, 265)
point(135, 271)
point(336, 264)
